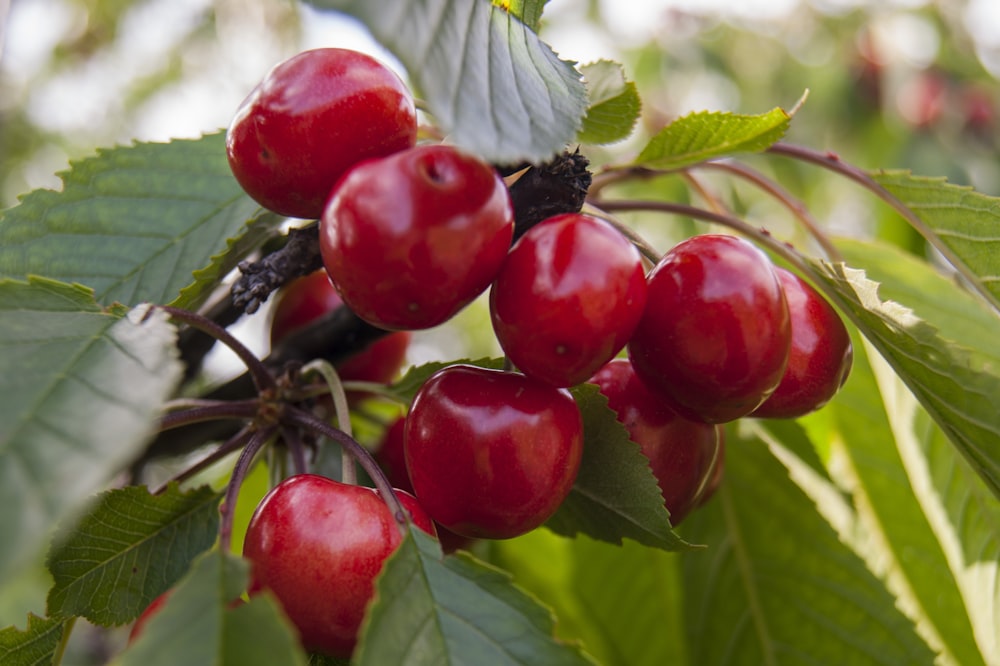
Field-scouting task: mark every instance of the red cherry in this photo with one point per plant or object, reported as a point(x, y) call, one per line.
point(715, 334)
point(681, 452)
point(567, 298)
point(312, 118)
point(820, 356)
point(152, 609)
point(491, 454)
point(392, 458)
point(318, 545)
point(311, 297)
point(411, 239)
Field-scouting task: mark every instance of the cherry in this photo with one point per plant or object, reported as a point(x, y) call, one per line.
point(152, 609)
point(820, 356)
point(682, 453)
point(491, 454)
point(312, 296)
point(311, 119)
point(318, 545)
point(412, 238)
point(567, 298)
point(715, 335)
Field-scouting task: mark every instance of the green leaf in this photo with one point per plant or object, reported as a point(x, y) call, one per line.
point(529, 11)
point(81, 392)
point(431, 609)
point(614, 104)
point(493, 86)
point(34, 646)
point(405, 389)
point(200, 626)
point(615, 495)
point(777, 585)
point(955, 379)
point(960, 222)
point(706, 135)
point(128, 549)
point(133, 223)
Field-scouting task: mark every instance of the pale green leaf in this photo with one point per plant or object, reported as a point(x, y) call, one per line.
point(35, 646)
point(706, 135)
point(529, 11)
point(431, 609)
point(776, 585)
point(492, 85)
point(81, 392)
point(614, 104)
point(134, 223)
point(960, 222)
point(128, 549)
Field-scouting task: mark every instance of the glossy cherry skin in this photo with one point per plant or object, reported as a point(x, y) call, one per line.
point(681, 452)
point(411, 239)
point(568, 298)
point(820, 357)
point(715, 335)
point(311, 297)
point(312, 118)
point(318, 545)
point(491, 454)
point(392, 458)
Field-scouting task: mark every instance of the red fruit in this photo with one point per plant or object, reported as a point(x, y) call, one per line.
point(567, 298)
point(820, 356)
point(715, 334)
point(681, 452)
point(411, 239)
point(318, 545)
point(152, 609)
point(491, 454)
point(312, 296)
point(312, 118)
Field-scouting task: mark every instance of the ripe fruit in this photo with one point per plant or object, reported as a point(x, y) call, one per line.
point(318, 545)
point(311, 297)
point(312, 118)
point(412, 238)
point(152, 609)
point(682, 453)
point(491, 454)
point(567, 298)
point(820, 356)
point(715, 334)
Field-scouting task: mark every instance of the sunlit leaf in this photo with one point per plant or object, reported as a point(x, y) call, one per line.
point(133, 223)
point(128, 549)
point(492, 85)
point(614, 104)
point(529, 11)
point(705, 135)
point(82, 389)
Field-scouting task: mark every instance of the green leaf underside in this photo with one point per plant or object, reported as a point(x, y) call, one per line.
point(198, 627)
point(406, 387)
point(132, 223)
point(493, 86)
point(957, 384)
point(614, 104)
point(615, 495)
point(964, 224)
point(706, 135)
point(776, 585)
point(435, 610)
point(34, 646)
point(64, 362)
point(128, 549)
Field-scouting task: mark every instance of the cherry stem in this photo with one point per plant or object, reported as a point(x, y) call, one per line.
point(230, 445)
point(349, 473)
point(300, 465)
point(305, 420)
point(794, 205)
point(210, 410)
point(262, 377)
point(255, 442)
point(833, 163)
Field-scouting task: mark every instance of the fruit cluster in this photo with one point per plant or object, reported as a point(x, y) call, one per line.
point(409, 235)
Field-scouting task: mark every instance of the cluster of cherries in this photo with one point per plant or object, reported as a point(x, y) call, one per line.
point(409, 235)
